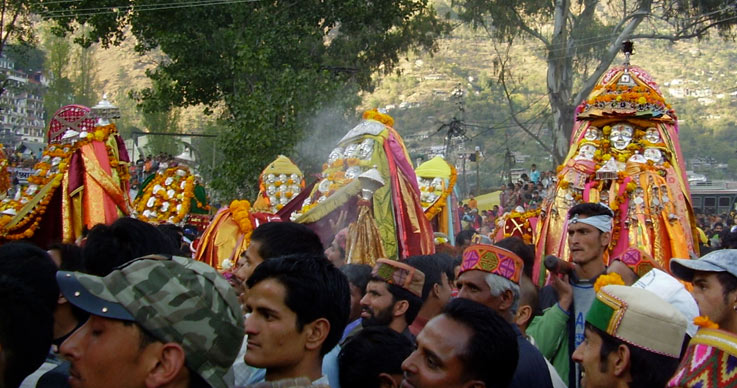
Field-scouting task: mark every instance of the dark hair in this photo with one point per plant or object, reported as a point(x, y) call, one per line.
point(71, 256)
point(26, 330)
point(399, 293)
point(33, 267)
point(590, 209)
point(286, 238)
point(524, 251)
point(491, 352)
point(374, 350)
point(173, 234)
point(432, 266)
point(358, 275)
point(125, 239)
point(728, 282)
point(315, 289)
point(647, 369)
point(464, 236)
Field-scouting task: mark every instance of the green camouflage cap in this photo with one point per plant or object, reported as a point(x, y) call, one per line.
point(175, 300)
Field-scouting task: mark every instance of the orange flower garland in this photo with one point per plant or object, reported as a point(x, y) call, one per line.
point(183, 192)
point(608, 279)
point(705, 322)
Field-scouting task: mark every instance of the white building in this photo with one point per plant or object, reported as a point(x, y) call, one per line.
point(21, 104)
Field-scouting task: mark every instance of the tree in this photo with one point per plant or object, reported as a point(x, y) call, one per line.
point(163, 122)
point(84, 77)
point(266, 67)
point(60, 91)
point(581, 39)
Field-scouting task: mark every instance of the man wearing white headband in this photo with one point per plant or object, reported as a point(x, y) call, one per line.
point(567, 300)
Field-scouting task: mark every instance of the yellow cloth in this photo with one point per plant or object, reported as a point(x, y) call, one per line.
point(434, 168)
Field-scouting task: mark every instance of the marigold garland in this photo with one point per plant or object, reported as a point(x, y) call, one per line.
point(183, 192)
point(608, 279)
point(241, 210)
point(705, 322)
point(374, 114)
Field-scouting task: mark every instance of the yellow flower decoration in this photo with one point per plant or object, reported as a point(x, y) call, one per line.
point(605, 280)
point(705, 322)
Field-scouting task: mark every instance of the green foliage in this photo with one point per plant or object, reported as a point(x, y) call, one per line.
point(268, 66)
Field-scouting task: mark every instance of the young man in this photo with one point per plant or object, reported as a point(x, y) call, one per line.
point(490, 275)
point(393, 296)
point(633, 339)
point(561, 327)
point(298, 309)
point(155, 322)
point(274, 239)
point(468, 345)
point(438, 270)
point(714, 278)
point(373, 358)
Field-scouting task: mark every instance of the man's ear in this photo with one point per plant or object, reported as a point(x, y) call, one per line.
point(168, 363)
point(620, 360)
point(507, 300)
point(524, 314)
point(436, 290)
point(474, 384)
point(387, 381)
point(400, 308)
point(316, 332)
point(605, 239)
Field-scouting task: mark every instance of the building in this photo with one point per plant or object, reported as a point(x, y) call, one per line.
point(22, 116)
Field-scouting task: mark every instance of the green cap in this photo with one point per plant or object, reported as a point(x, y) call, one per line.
point(175, 300)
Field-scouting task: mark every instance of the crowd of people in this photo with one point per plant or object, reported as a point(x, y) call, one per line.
point(123, 308)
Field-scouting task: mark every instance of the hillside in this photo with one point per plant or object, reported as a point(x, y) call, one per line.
point(697, 79)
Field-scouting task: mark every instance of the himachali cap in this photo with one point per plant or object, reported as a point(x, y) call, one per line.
point(639, 261)
point(722, 260)
point(710, 361)
point(175, 300)
point(400, 274)
point(640, 318)
point(492, 259)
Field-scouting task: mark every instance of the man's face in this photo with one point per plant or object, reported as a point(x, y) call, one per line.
point(356, 295)
point(586, 242)
point(472, 285)
point(437, 360)
point(377, 306)
point(595, 374)
point(251, 260)
point(273, 340)
point(709, 295)
point(105, 353)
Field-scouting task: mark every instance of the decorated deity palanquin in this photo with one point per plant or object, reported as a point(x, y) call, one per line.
point(81, 180)
point(436, 179)
point(229, 233)
point(393, 210)
point(170, 195)
point(624, 154)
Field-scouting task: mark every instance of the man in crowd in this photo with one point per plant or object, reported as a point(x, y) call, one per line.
point(298, 309)
point(28, 294)
point(358, 276)
point(714, 278)
point(480, 353)
point(561, 327)
point(373, 358)
point(438, 270)
point(633, 339)
point(490, 275)
point(154, 322)
point(393, 296)
point(274, 239)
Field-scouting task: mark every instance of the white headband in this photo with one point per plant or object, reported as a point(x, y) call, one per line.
point(602, 222)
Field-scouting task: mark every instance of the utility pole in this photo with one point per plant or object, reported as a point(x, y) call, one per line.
point(478, 162)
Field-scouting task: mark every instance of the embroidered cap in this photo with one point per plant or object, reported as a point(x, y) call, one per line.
point(492, 259)
point(639, 261)
point(709, 361)
point(640, 318)
point(400, 274)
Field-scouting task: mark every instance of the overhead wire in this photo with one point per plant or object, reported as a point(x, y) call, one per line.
point(137, 7)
